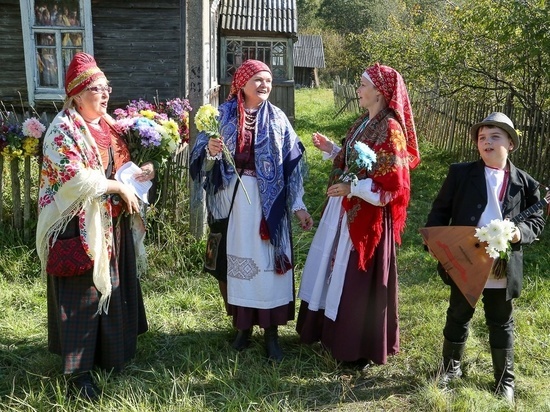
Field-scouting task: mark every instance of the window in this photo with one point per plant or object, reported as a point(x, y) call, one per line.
point(56, 31)
point(275, 53)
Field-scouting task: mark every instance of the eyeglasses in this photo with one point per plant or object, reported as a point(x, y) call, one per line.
point(100, 89)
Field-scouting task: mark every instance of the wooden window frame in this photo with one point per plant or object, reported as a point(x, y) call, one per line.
point(281, 71)
point(30, 32)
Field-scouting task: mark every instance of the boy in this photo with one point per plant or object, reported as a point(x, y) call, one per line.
point(473, 194)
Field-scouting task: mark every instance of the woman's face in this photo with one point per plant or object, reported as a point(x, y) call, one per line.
point(257, 89)
point(94, 99)
point(367, 93)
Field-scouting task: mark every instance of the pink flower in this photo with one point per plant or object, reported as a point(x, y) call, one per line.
point(33, 128)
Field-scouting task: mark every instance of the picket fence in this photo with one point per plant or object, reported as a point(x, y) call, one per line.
point(446, 123)
point(19, 192)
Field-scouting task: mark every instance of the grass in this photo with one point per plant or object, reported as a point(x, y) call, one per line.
point(185, 363)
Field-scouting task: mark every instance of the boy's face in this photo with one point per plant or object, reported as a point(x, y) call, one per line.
point(494, 144)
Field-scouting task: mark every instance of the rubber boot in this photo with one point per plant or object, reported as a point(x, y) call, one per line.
point(503, 366)
point(83, 386)
point(274, 351)
point(242, 340)
point(450, 366)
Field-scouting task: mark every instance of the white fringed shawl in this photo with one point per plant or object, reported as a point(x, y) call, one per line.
point(73, 182)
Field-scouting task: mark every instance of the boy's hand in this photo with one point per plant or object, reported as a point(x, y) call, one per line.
point(516, 235)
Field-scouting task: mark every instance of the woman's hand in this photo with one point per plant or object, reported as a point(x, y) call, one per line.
point(322, 142)
point(215, 146)
point(130, 199)
point(147, 172)
point(339, 189)
point(306, 221)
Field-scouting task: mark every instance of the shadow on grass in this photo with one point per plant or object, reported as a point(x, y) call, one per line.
point(203, 365)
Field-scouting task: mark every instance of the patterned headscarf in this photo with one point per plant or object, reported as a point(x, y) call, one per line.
point(243, 74)
point(389, 82)
point(81, 72)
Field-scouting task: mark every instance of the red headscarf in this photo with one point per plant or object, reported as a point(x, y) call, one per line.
point(389, 82)
point(243, 74)
point(81, 72)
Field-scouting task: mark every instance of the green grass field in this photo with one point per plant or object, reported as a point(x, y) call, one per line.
point(185, 362)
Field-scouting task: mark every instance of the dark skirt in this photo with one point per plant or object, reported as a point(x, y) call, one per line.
point(246, 318)
point(75, 330)
point(366, 327)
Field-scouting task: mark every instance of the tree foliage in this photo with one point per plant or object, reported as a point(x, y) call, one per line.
point(484, 50)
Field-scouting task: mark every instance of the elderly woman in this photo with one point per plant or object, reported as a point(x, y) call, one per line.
point(349, 282)
point(95, 312)
point(258, 288)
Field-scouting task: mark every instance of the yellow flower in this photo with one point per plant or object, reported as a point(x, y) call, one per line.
point(172, 128)
point(206, 120)
point(398, 140)
point(30, 146)
point(148, 114)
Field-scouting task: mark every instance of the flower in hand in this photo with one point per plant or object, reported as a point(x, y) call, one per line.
point(362, 158)
point(497, 234)
point(207, 122)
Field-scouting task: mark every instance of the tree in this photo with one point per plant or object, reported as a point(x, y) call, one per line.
point(483, 50)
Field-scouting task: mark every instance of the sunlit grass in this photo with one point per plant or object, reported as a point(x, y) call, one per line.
point(185, 362)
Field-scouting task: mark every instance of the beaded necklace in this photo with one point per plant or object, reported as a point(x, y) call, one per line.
point(101, 132)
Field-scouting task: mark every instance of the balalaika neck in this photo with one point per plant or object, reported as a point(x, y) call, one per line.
point(529, 211)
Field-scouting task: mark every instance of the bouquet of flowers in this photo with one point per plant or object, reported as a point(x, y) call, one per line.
point(497, 234)
point(363, 158)
point(206, 121)
point(19, 140)
point(152, 134)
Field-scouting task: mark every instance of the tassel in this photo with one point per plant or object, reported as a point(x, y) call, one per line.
point(264, 229)
point(282, 264)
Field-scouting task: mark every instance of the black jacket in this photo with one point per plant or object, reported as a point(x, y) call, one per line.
point(463, 197)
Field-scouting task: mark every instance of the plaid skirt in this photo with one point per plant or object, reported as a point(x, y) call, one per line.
point(75, 330)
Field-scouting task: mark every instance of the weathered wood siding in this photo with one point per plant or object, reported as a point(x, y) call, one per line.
point(140, 46)
point(282, 96)
point(12, 65)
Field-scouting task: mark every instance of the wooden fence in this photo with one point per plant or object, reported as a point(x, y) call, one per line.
point(446, 124)
point(19, 192)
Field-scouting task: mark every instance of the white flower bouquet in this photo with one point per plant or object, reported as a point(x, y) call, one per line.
point(497, 234)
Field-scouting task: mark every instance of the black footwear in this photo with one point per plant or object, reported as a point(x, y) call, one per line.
point(274, 351)
point(450, 367)
point(83, 386)
point(242, 340)
point(358, 365)
point(503, 366)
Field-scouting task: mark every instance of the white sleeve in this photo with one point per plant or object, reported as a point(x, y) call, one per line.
point(335, 150)
point(298, 202)
point(363, 189)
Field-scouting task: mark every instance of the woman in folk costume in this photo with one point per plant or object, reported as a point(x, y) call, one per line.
point(259, 286)
point(93, 318)
point(349, 282)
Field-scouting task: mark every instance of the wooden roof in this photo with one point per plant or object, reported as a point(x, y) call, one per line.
point(308, 51)
point(275, 16)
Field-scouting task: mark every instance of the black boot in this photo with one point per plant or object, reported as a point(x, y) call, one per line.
point(83, 386)
point(242, 340)
point(450, 367)
point(503, 365)
point(274, 352)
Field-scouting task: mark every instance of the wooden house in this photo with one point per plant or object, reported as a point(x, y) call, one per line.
point(147, 49)
point(308, 57)
point(263, 30)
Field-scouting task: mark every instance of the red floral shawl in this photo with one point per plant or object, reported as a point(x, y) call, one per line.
point(390, 176)
point(392, 136)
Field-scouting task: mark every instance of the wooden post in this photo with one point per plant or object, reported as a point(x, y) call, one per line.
point(16, 194)
point(27, 184)
point(1, 190)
